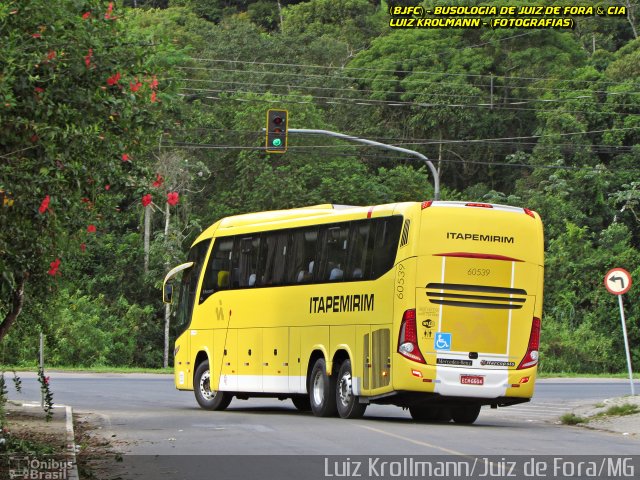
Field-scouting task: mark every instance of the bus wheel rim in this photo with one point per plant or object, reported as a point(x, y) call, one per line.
point(318, 389)
point(345, 390)
point(205, 385)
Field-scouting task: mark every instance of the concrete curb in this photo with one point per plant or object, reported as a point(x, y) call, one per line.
point(72, 474)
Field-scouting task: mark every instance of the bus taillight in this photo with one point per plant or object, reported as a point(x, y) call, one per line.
point(478, 205)
point(531, 357)
point(408, 338)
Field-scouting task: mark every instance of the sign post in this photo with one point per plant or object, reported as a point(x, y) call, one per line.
point(618, 282)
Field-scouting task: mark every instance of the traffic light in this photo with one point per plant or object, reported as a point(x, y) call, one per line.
point(277, 131)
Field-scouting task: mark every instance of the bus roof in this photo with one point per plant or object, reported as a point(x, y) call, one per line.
point(276, 219)
point(326, 213)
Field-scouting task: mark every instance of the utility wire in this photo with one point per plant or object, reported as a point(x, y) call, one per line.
point(394, 71)
point(390, 103)
point(508, 101)
point(437, 142)
point(195, 146)
point(501, 141)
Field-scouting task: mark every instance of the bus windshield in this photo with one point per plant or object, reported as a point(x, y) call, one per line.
point(188, 285)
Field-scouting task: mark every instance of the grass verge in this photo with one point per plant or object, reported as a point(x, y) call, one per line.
point(572, 419)
point(613, 411)
point(98, 369)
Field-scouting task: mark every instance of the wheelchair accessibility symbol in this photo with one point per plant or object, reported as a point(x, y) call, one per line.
point(442, 341)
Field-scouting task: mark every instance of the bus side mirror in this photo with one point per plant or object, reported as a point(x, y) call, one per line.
point(167, 294)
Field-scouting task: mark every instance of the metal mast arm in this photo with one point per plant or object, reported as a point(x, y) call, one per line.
point(329, 133)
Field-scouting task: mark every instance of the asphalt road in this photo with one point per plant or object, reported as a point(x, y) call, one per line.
point(149, 417)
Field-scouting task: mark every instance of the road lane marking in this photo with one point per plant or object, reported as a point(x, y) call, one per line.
point(416, 442)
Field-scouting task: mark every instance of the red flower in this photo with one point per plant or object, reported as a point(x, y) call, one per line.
point(53, 267)
point(113, 79)
point(44, 206)
point(39, 90)
point(83, 247)
point(51, 55)
point(87, 58)
point(173, 198)
point(107, 16)
point(146, 200)
point(125, 158)
point(159, 181)
point(135, 86)
point(153, 97)
point(91, 228)
point(154, 83)
point(107, 187)
point(36, 35)
point(86, 15)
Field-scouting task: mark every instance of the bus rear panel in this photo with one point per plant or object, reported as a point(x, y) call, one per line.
point(478, 301)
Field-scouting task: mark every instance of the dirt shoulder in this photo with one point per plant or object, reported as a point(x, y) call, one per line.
point(28, 435)
point(99, 453)
point(612, 415)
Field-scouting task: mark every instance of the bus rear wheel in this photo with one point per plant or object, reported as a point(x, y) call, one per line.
point(301, 402)
point(206, 397)
point(431, 413)
point(322, 390)
point(466, 414)
point(346, 402)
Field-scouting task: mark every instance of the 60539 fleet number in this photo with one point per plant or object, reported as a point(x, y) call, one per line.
point(479, 272)
point(400, 280)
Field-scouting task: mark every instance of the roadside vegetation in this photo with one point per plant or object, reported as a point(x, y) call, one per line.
point(621, 410)
point(125, 131)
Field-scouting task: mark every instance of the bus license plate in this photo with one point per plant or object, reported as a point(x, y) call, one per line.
point(472, 379)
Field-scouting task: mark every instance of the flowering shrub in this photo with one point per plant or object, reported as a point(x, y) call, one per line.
point(67, 121)
point(47, 396)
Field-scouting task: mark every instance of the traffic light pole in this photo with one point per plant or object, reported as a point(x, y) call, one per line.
point(329, 133)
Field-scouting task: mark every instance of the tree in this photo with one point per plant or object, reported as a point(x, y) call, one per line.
point(79, 107)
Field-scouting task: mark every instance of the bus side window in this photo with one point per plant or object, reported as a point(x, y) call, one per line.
point(303, 254)
point(358, 252)
point(334, 261)
point(385, 246)
point(245, 264)
point(273, 258)
point(216, 276)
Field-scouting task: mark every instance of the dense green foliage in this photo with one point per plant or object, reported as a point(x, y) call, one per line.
point(547, 119)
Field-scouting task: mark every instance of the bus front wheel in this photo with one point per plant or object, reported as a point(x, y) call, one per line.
point(346, 402)
point(322, 390)
point(206, 397)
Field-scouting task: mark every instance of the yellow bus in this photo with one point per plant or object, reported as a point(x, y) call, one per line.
point(434, 307)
